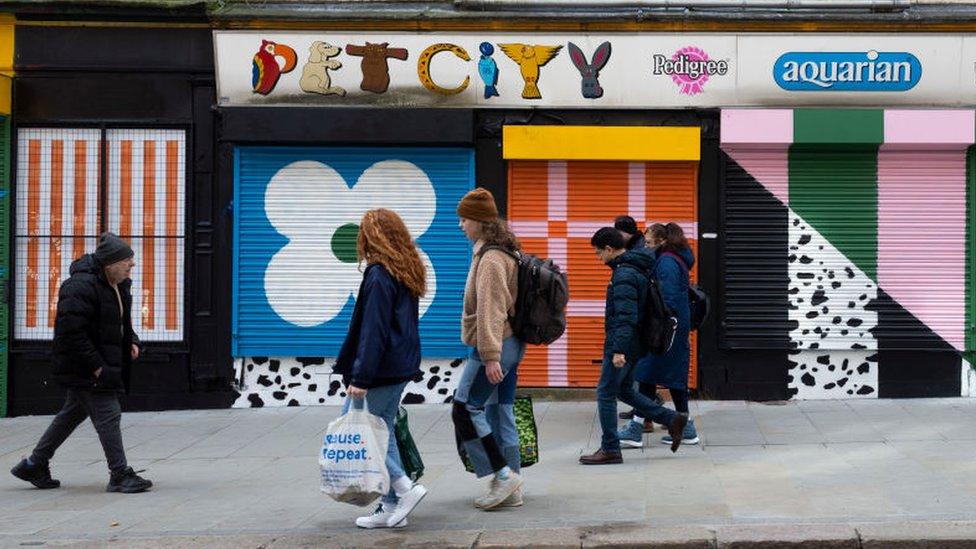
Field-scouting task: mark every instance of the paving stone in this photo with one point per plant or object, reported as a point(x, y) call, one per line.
point(918, 535)
point(638, 535)
point(168, 542)
point(787, 536)
point(401, 538)
point(543, 538)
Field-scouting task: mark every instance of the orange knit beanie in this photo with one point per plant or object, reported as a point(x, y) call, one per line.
point(478, 205)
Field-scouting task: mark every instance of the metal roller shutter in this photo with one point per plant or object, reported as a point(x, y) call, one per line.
point(879, 231)
point(296, 223)
point(754, 300)
point(555, 206)
point(921, 247)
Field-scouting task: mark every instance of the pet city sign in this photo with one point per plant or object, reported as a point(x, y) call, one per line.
point(869, 71)
point(581, 70)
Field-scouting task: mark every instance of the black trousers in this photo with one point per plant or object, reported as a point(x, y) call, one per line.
point(678, 396)
point(105, 412)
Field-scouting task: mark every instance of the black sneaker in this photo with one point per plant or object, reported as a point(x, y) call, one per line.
point(38, 474)
point(128, 482)
point(626, 415)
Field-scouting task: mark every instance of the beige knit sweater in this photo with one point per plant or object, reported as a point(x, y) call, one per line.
point(489, 299)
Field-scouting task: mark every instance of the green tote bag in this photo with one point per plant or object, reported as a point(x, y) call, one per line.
point(528, 434)
point(413, 465)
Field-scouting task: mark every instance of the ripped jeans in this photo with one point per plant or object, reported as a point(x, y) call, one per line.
point(484, 418)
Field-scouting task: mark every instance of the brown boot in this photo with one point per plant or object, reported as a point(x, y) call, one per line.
point(601, 458)
point(648, 426)
point(677, 430)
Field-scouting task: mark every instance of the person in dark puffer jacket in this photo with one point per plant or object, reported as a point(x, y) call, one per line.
point(381, 353)
point(674, 260)
point(628, 227)
point(94, 346)
point(622, 347)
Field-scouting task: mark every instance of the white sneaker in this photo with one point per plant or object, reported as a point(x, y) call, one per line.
point(481, 501)
point(500, 490)
point(514, 500)
point(379, 519)
point(406, 504)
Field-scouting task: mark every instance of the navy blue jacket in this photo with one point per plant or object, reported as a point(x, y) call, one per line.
point(383, 344)
point(626, 296)
point(671, 369)
point(637, 241)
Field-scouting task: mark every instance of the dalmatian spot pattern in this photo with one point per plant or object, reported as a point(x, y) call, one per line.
point(309, 381)
point(833, 350)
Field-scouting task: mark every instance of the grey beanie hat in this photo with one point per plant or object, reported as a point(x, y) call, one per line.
point(111, 249)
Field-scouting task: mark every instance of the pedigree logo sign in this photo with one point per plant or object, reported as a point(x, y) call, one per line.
point(869, 71)
point(690, 68)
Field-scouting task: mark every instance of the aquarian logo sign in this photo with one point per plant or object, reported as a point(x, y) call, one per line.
point(689, 68)
point(869, 71)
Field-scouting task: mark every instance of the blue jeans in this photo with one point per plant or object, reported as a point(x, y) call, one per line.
point(500, 410)
point(618, 383)
point(384, 403)
point(489, 409)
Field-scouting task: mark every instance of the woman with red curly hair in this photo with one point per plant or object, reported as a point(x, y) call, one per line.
point(382, 350)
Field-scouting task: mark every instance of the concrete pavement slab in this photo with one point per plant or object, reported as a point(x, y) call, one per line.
point(918, 535)
point(549, 538)
point(640, 535)
point(448, 539)
point(796, 536)
point(170, 542)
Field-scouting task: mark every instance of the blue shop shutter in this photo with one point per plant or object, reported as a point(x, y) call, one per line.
point(294, 294)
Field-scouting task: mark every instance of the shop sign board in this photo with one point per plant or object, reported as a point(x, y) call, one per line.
point(565, 70)
point(847, 71)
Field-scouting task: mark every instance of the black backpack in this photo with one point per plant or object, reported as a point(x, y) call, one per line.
point(540, 305)
point(698, 300)
point(657, 328)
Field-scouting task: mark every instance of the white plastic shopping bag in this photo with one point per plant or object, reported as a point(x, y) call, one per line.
point(353, 457)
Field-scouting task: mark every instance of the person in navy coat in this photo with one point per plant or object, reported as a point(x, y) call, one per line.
point(674, 260)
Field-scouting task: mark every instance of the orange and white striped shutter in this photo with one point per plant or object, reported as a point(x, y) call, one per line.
point(59, 218)
point(146, 206)
point(557, 203)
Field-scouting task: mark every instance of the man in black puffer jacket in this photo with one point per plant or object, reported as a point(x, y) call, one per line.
point(94, 346)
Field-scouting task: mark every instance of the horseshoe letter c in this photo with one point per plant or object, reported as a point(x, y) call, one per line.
point(423, 68)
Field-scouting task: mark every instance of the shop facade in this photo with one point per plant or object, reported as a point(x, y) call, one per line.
point(113, 130)
point(796, 168)
point(827, 195)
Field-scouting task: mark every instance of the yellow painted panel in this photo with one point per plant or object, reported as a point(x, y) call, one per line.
point(6, 44)
point(5, 94)
point(636, 143)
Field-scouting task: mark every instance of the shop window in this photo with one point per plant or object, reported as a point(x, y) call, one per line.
point(65, 198)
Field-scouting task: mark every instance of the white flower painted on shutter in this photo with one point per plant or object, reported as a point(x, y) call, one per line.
point(310, 280)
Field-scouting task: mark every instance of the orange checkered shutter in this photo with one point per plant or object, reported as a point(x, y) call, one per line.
point(554, 207)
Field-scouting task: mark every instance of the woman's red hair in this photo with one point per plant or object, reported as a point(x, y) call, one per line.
point(384, 239)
